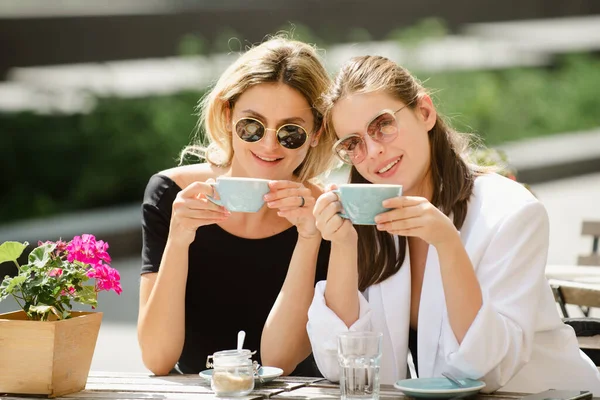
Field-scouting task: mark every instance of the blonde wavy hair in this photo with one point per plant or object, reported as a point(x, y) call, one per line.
point(276, 60)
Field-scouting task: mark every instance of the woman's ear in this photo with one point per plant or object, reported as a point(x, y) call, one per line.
point(426, 110)
point(314, 141)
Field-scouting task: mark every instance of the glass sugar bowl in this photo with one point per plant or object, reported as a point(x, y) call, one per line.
point(233, 372)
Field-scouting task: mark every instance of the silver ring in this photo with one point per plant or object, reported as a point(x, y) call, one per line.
point(302, 204)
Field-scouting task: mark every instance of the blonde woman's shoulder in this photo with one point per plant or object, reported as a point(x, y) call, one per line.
point(184, 175)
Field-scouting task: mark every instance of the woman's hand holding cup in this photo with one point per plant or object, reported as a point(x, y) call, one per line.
point(328, 220)
point(192, 209)
point(294, 202)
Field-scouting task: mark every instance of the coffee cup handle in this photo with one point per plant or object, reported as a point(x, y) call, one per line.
point(341, 213)
point(212, 199)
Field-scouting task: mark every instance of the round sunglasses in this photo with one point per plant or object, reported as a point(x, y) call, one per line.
point(352, 149)
point(290, 136)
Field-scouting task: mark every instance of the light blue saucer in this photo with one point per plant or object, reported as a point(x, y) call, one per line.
point(438, 388)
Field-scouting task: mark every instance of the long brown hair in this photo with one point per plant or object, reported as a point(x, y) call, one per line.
point(276, 60)
point(452, 177)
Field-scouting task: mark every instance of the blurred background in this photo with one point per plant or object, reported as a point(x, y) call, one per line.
point(96, 96)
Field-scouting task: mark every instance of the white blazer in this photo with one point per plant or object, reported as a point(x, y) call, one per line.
point(517, 341)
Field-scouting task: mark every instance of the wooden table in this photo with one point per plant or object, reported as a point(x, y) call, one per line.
point(119, 385)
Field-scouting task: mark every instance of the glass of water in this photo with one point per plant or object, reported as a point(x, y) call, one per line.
point(359, 356)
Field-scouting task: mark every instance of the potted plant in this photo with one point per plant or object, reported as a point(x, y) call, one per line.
point(46, 348)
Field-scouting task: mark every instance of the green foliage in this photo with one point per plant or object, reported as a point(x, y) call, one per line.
point(359, 35)
point(228, 40)
point(62, 163)
point(512, 104)
point(427, 28)
point(301, 32)
point(193, 44)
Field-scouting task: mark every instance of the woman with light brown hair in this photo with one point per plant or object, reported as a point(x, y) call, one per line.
point(453, 273)
point(208, 273)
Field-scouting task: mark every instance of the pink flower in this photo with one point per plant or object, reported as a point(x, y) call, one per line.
point(70, 290)
point(55, 272)
point(87, 250)
point(107, 278)
point(61, 246)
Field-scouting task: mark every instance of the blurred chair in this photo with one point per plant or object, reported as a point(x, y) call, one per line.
point(587, 329)
point(576, 293)
point(591, 228)
point(584, 295)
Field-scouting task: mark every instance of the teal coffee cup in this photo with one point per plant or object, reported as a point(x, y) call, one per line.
point(362, 201)
point(240, 194)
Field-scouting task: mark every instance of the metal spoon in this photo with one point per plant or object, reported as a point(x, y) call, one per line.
point(449, 376)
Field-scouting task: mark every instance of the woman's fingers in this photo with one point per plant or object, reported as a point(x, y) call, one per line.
point(327, 212)
point(403, 201)
point(288, 195)
point(293, 202)
point(402, 224)
point(405, 212)
point(202, 214)
point(197, 188)
point(195, 197)
point(323, 202)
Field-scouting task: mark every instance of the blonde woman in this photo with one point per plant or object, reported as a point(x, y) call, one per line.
point(208, 273)
point(457, 280)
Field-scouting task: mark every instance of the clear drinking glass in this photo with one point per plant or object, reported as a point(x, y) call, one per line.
point(359, 357)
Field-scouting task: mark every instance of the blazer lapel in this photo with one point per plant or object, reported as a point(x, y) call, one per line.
point(431, 311)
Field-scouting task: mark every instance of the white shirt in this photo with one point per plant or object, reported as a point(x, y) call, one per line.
point(517, 341)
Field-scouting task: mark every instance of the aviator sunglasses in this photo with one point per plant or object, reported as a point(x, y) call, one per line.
point(352, 149)
point(290, 136)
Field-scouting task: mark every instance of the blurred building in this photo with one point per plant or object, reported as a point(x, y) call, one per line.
point(48, 32)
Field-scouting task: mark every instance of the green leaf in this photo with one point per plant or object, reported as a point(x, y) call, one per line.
point(41, 254)
point(3, 286)
point(11, 251)
point(41, 309)
point(12, 283)
point(87, 295)
point(44, 310)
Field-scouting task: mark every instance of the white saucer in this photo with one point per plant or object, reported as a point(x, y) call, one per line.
point(266, 373)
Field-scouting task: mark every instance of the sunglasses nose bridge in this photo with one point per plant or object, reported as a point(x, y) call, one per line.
point(270, 140)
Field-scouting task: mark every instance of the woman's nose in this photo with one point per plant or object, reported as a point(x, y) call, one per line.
point(270, 140)
point(373, 147)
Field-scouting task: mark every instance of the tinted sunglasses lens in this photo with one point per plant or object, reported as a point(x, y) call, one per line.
point(291, 136)
point(351, 150)
point(249, 130)
point(383, 127)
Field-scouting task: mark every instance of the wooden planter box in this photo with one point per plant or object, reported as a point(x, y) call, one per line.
point(46, 357)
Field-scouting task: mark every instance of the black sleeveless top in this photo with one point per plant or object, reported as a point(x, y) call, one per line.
point(232, 282)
